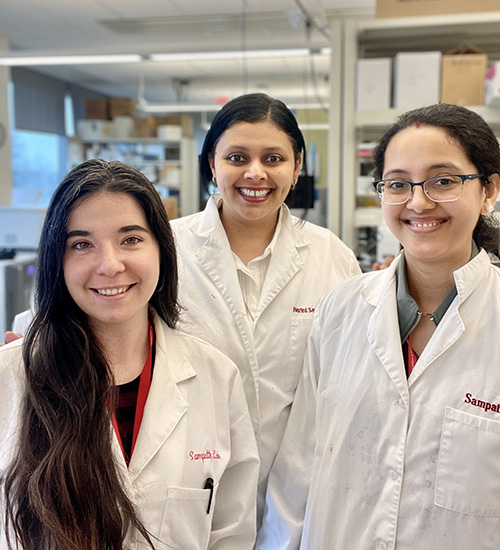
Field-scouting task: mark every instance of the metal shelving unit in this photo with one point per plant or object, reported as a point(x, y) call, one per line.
point(140, 151)
point(364, 37)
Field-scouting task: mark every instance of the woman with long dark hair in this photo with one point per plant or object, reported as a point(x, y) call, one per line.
point(116, 430)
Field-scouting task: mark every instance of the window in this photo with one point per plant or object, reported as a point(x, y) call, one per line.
point(38, 165)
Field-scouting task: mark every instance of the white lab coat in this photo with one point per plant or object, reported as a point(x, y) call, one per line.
point(396, 464)
point(195, 426)
point(307, 262)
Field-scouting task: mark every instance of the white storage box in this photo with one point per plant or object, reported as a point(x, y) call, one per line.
point(93, 128)
point(492, 86)
point(417, 79)
point(169, 132)
point(123, 127)
point(373, 87)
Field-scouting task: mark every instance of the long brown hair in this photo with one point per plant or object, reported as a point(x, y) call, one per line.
point(63, 490)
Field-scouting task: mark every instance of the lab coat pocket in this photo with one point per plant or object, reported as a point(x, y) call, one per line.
point(299, 330)
point(186, 525)
point(467, 479)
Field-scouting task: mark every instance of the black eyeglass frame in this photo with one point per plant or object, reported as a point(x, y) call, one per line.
point(463, 177)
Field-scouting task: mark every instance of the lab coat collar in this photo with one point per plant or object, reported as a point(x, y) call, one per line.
point(165, 405)
point(383, 326)
point(215, 256)
point(380, 290)
point(206, 225)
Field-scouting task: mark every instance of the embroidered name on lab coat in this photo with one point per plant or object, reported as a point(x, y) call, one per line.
point(303, 309)
point(495, 407)
point(207, 455)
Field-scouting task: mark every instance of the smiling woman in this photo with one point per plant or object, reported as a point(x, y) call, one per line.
point(104, 403)
point(395, 426)
point(251, 273)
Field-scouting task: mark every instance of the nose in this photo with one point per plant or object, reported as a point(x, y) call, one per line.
point(255, 170)
point(110, 261)
point(419, 201)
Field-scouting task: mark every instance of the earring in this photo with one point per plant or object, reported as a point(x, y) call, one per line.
point(491, 208)
point(294, 183)
point(214, 181)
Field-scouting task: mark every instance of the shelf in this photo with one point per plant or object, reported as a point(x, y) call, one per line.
point(380, 119)
point(386, 36)
point(130, 141)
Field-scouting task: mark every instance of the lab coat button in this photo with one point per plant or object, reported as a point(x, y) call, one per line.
point(382, 546)
point(401, 403)
point(394, 475)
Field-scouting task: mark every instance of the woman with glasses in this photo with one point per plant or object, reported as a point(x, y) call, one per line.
point(395, 428)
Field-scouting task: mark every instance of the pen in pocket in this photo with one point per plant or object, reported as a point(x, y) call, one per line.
point(209, 484)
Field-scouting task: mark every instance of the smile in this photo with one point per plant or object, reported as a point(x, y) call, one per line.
point(254, 193)
point(112, 291)
point(414, 223)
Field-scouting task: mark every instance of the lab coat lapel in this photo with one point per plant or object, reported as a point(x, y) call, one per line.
point(216, 257)
point(285, 261)
point(383, 327)
point(165, 405)
point(451, 328)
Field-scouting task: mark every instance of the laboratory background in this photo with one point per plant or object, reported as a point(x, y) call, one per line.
point(141, 81)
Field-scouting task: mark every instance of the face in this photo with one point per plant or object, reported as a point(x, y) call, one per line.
point(435, 233)
point(112, 260)
point(254, 166)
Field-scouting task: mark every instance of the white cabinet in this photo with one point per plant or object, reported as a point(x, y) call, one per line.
point(171, 165)
point(366, 37)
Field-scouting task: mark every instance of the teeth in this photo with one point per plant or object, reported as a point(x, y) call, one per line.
point(425, 224)
point(111, 291)
point(254, 192)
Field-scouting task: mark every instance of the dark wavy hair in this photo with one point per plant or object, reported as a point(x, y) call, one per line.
point(252, 108)
point(478, 142)
point(63, 491)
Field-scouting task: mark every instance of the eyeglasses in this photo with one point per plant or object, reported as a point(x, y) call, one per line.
point(438, 189)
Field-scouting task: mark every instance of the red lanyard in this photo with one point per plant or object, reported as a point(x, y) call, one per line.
point(142, 396)
point(412, 356)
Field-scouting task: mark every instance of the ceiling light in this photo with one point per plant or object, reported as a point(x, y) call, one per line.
point(148, 107)
point(34, 60)
point(248, 54)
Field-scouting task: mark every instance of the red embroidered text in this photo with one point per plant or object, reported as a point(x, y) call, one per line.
point(303, 309)
point(207, 455)
point(495, 407)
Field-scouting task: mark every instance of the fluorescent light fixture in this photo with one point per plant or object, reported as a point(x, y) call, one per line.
point(247, 54)
point(20, 59)
point(147, 107)
point(34, 60)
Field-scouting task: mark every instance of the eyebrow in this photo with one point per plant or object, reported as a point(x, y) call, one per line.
point(125, 229)
point(245, 148)
point(438, 166)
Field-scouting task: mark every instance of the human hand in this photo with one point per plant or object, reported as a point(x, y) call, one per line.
point(11, 336)
point(386, 263)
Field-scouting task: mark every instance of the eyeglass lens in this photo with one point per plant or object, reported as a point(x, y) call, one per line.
point(441, 188)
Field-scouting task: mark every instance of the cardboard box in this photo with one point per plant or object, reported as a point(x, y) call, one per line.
point(417, 79)
point(492, 86)
point(373, 85)
point(184, 121)
point(172, 207)
point(463, 76)
point(89, 130)
point(121, 106)
point(145, 127)
point(402, 8)
point(97, 109)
